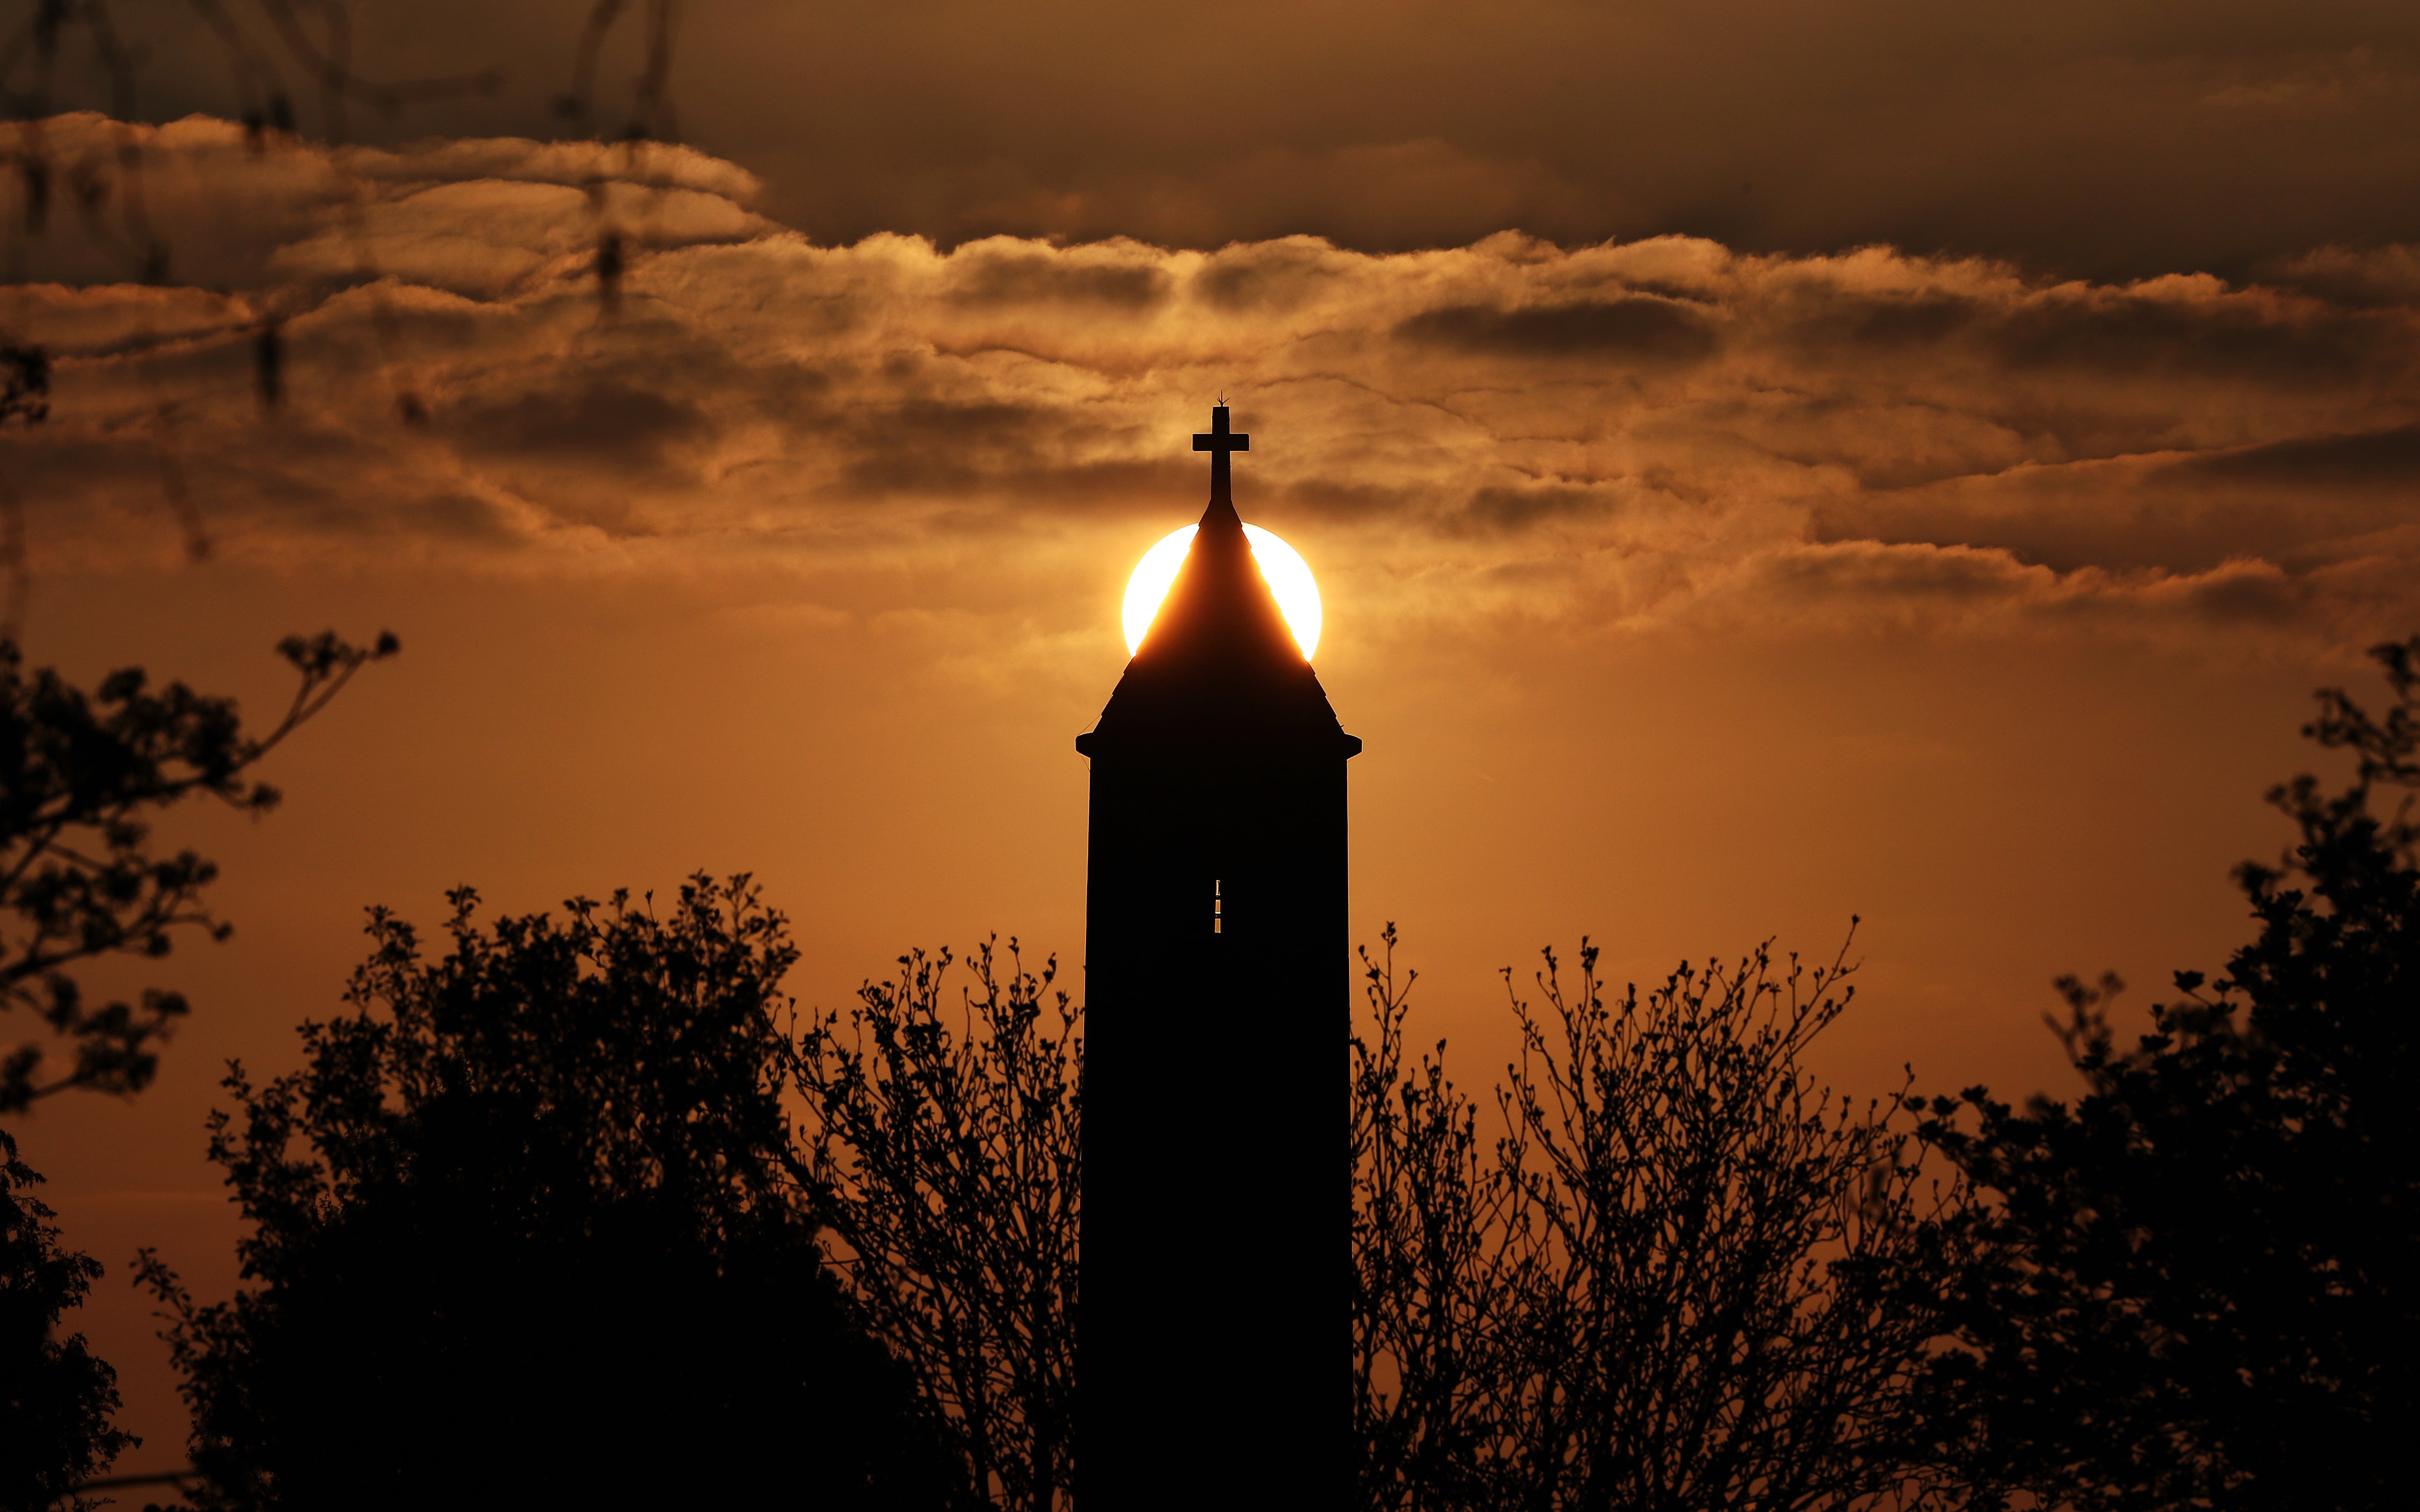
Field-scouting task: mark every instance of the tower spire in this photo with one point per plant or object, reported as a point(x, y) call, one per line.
point(1213, 1325)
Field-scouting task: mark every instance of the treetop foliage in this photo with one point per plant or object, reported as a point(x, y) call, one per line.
point(609, 1055)
point(522, 1228)
point(2192, 1285)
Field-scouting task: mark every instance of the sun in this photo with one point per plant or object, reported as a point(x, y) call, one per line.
point(1287, 573)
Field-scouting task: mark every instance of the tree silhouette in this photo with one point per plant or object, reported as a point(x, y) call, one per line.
point(1681, 1277)
point(944, 1146)
point(2195, 1284)
point(80, 777)
point(522, 1233)
point(55, 1398)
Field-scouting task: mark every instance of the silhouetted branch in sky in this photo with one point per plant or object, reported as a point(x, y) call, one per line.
point(651, 107)
point(307, 39)
point(25, 396)
point(944, 1146)
point(81, 776)
point(1683, 1275)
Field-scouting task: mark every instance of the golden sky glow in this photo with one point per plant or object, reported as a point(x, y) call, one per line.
point(1770, 462)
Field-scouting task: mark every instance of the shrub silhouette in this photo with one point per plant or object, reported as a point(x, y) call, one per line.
point(522, 1234)
point(2195, 1285)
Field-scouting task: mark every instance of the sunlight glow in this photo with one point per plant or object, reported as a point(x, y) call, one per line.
point(1287, 573)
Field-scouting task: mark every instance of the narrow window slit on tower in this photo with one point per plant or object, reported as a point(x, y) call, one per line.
point(1218, 910)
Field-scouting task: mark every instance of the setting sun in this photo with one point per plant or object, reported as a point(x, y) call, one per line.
point(1288, 575)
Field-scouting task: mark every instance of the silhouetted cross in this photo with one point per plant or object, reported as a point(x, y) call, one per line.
point(1218, 443)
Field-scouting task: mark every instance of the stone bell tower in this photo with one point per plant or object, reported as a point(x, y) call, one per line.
point(1212, 1324)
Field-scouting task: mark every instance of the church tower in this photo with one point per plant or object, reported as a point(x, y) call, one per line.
point(1212, 1322)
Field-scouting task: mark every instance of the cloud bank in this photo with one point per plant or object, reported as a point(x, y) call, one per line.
point(2108, 138)
point(1633, 433)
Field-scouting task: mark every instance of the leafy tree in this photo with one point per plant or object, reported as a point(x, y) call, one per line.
point(55, 1398)
point(522, 1233)
point(1681, 1277)
point(2195, 1285)
point(944, 1147)
point(81, 777)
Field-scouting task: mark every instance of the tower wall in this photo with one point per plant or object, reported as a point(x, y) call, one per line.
point(1216, 1209)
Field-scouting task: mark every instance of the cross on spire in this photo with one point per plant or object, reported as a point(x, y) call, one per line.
point(1219, 441)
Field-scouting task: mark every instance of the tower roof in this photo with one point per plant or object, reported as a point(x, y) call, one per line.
point(1219, 668)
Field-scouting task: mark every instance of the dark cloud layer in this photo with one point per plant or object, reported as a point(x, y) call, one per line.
point(1638, 327)
point(1664, 430)
point(2108, 140)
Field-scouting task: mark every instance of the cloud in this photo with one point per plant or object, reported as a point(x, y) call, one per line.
point(1660, 431)
point(232, 211)
point(1638, 327)
point(2115, 141)
point(2387, 458)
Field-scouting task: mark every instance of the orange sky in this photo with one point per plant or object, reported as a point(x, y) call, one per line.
point(1936, 502)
